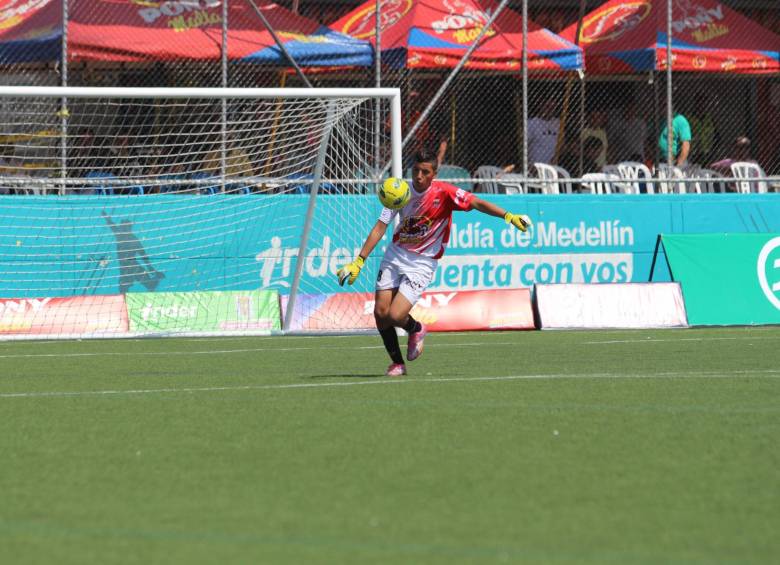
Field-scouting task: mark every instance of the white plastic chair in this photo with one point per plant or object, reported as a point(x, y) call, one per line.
point(667, 173)
point(565, 179)
point(554, 179)
point(617, 186)
point(702, 184)
point(548, 176)
point(31, 188)
point(635, 172)
point(745, 170)
point(599, 183)
point(512, 183)
point(711, 185)
point(487, 177)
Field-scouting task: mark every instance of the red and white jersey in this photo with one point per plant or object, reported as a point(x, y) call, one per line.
point(425, 222)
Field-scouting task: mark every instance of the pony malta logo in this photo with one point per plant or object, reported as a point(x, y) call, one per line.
point(462, 16)
point(363, 24)
point(180, 14)
point(768, 267)
point(16, 10)
point(612, 22)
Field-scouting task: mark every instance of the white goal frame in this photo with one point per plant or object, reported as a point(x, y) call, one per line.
point(395, 166)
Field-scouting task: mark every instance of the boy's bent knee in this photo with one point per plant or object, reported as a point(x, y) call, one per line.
point(382, 315)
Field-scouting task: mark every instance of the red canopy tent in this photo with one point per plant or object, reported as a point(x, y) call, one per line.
point(30, 31)
point(425, 34)
point(127, 31)
point(630, 36)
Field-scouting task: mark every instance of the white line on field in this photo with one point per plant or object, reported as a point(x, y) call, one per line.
point(768, 373)
point(223, 339)
point(655, 340)
point(229, 351)
point(347, 348)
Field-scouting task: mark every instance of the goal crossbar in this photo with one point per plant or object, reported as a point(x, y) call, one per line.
point(148, 239)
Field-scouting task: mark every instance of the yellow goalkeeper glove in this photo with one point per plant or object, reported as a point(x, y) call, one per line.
point(350, 271)
point(520, 221)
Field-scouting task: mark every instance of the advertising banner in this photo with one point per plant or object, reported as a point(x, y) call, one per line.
point(189, 243)
point(70, 316)
point(203, 312)
point(581, 306)
point(508, 309)
point(727, 278)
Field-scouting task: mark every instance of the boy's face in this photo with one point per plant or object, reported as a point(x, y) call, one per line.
point(422, 175)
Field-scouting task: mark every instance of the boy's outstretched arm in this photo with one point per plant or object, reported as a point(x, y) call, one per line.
point(520, 221)
point(349, 272)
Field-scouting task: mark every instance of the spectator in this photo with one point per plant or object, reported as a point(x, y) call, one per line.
point(8, 166)
point(237, 161)
point(126, 164)
point(703, 131)
point(592, 151)
point(628, 132)
point(543, 133)
point(570, 154)
point(681, 140)
point(8, 163)
point(741, 152)
point(238, 166)
point(597, 121)
point(86, 155)
point(570, 158)
point(425, 134)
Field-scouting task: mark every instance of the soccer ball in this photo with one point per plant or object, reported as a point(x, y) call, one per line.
point(394, 193)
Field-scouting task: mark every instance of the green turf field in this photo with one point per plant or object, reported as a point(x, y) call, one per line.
point(537, 447)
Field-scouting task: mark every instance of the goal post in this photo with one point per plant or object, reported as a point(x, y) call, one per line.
point(185, 211)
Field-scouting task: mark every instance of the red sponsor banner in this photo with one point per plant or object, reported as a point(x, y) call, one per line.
point(75, 315)
point(501, 309)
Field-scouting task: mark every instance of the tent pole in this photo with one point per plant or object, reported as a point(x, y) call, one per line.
point(279, 44)
point(524, 67)
point(669, 113)
point(224, 53)
point(63, 113)
point(567, 94)
point(378, 84)
point(581, 152)
point(656, 130)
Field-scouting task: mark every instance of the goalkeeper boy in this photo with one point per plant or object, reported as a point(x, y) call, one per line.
point(410, 261)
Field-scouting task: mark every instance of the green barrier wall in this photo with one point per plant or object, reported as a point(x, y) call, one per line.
point(203, 311)
point(727, 279)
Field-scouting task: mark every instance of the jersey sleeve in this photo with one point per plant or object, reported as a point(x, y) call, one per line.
point(387, 215)
point(461, 199)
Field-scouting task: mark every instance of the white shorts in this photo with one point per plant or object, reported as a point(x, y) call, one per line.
point(409, 272)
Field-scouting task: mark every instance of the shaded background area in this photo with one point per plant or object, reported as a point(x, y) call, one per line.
point(479, 116)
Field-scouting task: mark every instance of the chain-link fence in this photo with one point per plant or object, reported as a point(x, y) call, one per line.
point(573, 124)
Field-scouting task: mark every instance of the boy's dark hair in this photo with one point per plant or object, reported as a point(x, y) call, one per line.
point(426, 156)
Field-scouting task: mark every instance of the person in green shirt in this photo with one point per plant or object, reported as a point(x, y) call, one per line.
point(703, 130)
point(681, 140)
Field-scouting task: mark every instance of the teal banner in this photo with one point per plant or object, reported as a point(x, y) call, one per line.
point(63, 246)
point(727, 279)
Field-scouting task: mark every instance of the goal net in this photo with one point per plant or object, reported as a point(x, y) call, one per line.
point(188, 211)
